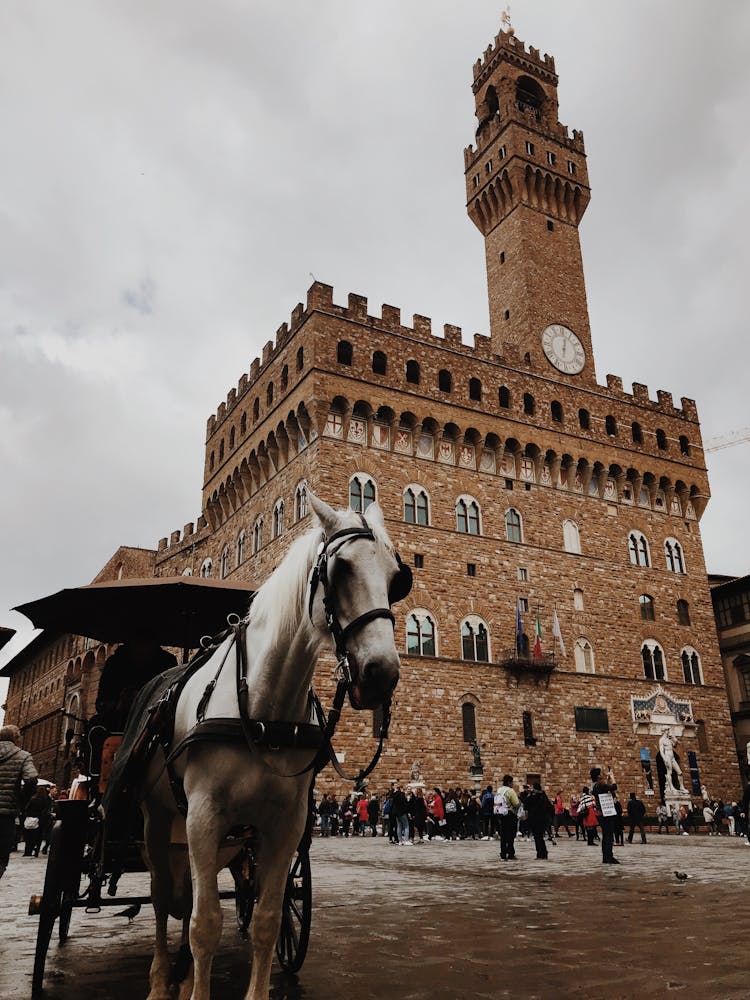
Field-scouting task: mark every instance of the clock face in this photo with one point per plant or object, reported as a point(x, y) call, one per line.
point(563, 349)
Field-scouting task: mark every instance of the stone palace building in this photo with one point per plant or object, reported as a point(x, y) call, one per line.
point(520, 489)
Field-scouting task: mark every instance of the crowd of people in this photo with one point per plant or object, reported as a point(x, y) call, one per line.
point(408, 815)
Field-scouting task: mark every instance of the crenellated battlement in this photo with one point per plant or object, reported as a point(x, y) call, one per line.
point(511, 46)
point(178, 539)
point(571, 138)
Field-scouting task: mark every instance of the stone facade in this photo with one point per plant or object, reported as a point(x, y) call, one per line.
point(731, 600)
point(587, 498)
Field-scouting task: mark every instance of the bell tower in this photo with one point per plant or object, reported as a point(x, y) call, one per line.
point(526, 191)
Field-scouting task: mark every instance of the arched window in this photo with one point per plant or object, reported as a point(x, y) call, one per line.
point(493, 104)
point(503, 397)
point(683, 612)
point(231, 439)
point(224, 564)
point(344, 352)
point(584, 420)
point(207, 568)
point(379, 363)
point(637, 433)
point(300, 359)
point(475, 390)
point(475, 643)
point(416, 506)
point(578, 599)
point(241, 548)
point(638, 548)
point(300, 501)
point(269, 394)
point(361, 492)
point(556, 411)
point(610, 426)
point(467, 516)
point(529, 406)
point(673, 553)
point(684, 445)
point(243, 424)
point(221, 450)
point(284, 378)
point(583, 654)
point(256, 409)
point(469, 722)
point(513, 525)
point(412, 372)
point(277, 525)
point(571, 536)
point(653, 661)
point(445, 382)
point(691, 666)
point(421, 635)
point(646, 602)
point(661, 439)
point(211, 462)
point(529, 95)
point(188, 571)
point(258, 535)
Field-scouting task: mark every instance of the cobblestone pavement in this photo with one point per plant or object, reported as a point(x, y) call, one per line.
point(447, 920)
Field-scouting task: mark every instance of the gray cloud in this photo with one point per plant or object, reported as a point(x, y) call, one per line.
point(171, 179)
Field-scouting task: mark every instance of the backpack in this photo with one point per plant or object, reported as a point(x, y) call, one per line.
point(501, 805)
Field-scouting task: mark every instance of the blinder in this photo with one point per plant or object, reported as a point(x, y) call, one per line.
point(402, 582)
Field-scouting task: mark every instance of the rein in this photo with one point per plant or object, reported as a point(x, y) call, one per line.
point(274, 735)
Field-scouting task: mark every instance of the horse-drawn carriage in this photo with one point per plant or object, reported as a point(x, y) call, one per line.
point(223, 761)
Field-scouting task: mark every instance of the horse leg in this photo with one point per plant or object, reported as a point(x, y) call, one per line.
point(205, 921)
point(156, 836)
point(185, 988)
point(273, 868)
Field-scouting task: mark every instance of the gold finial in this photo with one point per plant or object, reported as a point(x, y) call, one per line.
point(507, 27)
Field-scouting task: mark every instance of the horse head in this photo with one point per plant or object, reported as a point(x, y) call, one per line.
point(357, 577)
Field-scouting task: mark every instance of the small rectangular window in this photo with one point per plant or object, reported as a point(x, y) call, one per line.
point(530, 148)
point(507, 313)
point(551, 158)
point(528, 487)
point(523, 573)
point(571, 167)
point(502, 256)
point(509, 484)
point(471, 569)
point(528, 730)
point(591, 720)
point(523, 604)
point(418, 560)
point(550, 225)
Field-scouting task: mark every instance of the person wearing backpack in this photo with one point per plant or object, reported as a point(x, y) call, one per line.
point(18, 778)
point(506, 814)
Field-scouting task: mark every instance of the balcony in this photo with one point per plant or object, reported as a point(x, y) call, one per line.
point(521, 665)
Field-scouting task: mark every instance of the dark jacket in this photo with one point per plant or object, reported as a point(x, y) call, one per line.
point(538, 806)
point(636, 810)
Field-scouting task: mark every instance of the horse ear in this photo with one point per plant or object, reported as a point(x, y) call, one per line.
point(326, 514)
point(374, 516)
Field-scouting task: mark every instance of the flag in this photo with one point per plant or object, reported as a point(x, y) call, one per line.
point(557, 633)
point(519, 629)
point(538, 639)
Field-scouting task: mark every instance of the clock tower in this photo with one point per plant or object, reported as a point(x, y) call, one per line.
point(527, 189)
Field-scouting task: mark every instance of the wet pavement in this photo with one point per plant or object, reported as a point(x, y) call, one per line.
point(447, 920)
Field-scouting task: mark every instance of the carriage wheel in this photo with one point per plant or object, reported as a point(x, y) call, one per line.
point(296, 914)
point(62, 879)
point(243, 871)
point(49, 905)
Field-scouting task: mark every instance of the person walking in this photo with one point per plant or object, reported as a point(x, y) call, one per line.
point(373, 814)
point(18, 778)
point(419, 815)
point(506, 813)
point(36, 821)
point(605, 787)
point(636, 812)
point(587, 814)
point(363, 815)
point(561, 815)
point(488, 803)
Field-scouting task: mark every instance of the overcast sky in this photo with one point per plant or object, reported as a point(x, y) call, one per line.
point(174, 173)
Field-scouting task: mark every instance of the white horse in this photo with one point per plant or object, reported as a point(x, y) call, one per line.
point(234, 784)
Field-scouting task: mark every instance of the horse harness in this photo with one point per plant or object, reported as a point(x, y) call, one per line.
point(276, 735)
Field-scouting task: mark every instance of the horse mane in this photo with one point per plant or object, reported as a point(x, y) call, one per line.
point(282, 599)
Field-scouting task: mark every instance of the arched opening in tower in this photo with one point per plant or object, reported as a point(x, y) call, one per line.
point(529, 96)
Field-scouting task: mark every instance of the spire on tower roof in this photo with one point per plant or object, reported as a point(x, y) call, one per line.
point(507, 27)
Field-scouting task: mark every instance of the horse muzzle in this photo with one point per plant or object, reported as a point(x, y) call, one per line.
point(373, 684)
